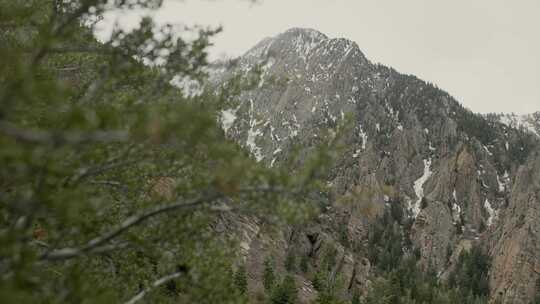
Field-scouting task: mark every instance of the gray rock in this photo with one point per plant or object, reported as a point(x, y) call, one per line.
point(409, 141)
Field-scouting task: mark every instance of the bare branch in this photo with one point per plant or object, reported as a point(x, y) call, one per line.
point(111, 163)
point(154, 285)
point(107, 183)
point(99, 170)
point(103, 49)
point(68, 253)
point(61, 138)
point(209, 197)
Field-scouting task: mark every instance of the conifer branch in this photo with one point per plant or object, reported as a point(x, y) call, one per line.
point(60, 137)
point(98, 242)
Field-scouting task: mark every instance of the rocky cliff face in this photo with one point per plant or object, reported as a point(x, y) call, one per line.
point(462, 178)
point(516, 243)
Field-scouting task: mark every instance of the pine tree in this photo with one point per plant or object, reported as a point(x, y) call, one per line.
point(304, 263)
point(240, 279)
point(268, 275)
point(356, 298)
point(290, 261)
point(285, 292)
point(319, 280)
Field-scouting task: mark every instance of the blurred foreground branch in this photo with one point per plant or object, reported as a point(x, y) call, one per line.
point(61, 137)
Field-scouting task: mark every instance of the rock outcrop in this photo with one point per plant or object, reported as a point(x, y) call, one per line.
point(463, 178)
point(515, 276)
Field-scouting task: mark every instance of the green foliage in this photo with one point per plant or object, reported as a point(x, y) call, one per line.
point(329, 286)
point(537, 297)
point(448, 252)
point(356, 298)
point(471, 273)
point(521, 148)
point(329, 258)
point(396, 211)
point(381, 292)
point(344, 235)
point(399, 278)
point(474, 125)
point(328, 297)
point(290, 261)
point(304, 263)
point(385, 244)
point(269, 276)
point(110, 178)
point(319, 279)
point(240, 279)
point(331, 291)
point(482, 227)
point(285, 292)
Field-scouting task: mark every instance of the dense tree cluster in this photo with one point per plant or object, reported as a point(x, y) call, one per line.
point(400, 278)
point(111, 180)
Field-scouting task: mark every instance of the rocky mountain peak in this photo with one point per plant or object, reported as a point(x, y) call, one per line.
point(304, 33)
point(454, 172)
point(301, 43)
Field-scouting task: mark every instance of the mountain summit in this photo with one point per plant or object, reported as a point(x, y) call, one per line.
point(463, 180)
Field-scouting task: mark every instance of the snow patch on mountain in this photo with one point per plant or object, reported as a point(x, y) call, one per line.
point(190, 87)
point(419, 187)
point(227, 119)
point(528, 122)
point(252, 135)
point(364, 137)
point(456, 209)
point(493, 214)
point(502, 184)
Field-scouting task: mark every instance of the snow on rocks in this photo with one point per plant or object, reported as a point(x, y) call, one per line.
point(419, 187)
point(493, 214)
point(364, 137)
point(253, 133)
point(487, 150)
point(227, 118)
point(250, 142)
point(456, 209)
point(501, 184)
point(190, 87)
point(306, 41)
point(526, 122)
point(264, 69)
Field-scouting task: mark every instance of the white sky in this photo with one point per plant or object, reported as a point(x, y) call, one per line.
point(486, 53)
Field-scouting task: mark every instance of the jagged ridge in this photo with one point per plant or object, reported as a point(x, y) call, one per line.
point(412, 143)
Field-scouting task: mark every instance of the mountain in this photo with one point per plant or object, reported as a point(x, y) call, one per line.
point(451, 180)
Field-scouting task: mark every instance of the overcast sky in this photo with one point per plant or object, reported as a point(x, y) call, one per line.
point(486, 53)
